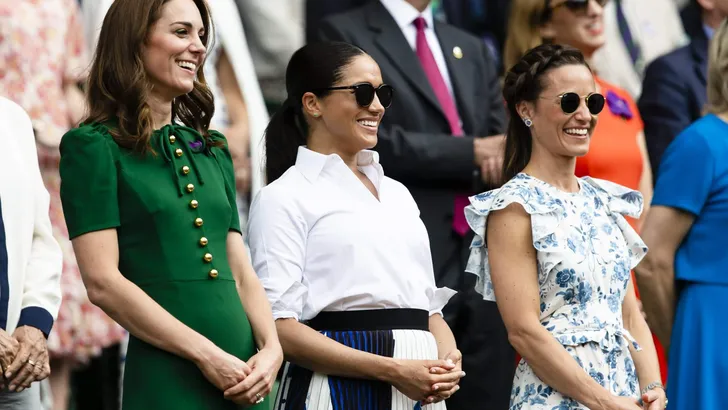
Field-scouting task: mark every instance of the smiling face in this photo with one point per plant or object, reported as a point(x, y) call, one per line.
point(350, 126)
point(174, 50)
point(562, 134)
point(581, 29)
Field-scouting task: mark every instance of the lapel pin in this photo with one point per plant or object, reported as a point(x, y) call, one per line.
point(457, 52)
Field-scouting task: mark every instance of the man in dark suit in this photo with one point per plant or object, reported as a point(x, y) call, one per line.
point(674, 88)
point(434, 139)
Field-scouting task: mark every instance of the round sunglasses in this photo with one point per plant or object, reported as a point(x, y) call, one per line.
point(364, 93)
point(570, 102)
point(576, 5)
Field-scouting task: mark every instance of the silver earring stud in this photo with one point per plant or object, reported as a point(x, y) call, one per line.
point(528, 122)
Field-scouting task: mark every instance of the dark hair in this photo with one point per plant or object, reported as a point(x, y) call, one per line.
point(118, 87)
point(525, 82)
point(313, 67)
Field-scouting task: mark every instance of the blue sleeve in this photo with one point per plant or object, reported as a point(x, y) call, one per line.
point(686, 174)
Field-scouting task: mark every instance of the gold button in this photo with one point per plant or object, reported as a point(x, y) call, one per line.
point(208, 257)
point(178, 152)
point(190, 187)
point(198, 222)
point(213, 273)
point(194, 203)
point(203, 241)
point(185, 170)
point(172, 139)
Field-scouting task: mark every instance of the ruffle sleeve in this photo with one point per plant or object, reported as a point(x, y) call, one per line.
point(621, 201)
point(546, 213)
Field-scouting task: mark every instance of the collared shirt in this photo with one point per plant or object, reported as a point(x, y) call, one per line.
point(708, 31)
point(320, 241)
point(30, 278)
point(405, 14)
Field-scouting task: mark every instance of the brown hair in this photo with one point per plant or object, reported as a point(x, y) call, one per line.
point(118, 87)
point(524, 29)
point(718, 71)
point(524, 82)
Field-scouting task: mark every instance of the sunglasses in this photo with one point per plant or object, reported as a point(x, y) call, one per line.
point(364, 93)
point(570, 102)
point(575, 5)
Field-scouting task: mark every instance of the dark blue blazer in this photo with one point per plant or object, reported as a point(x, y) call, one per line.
point(674, 90)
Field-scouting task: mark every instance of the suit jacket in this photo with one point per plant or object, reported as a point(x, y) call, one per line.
point(674, 92)
point(30, 257)
point(656, 27)
point(415, 144)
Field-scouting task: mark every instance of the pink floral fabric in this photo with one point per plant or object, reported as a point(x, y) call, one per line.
point(41, 49)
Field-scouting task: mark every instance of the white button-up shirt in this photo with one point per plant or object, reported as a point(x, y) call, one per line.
point(320, 241)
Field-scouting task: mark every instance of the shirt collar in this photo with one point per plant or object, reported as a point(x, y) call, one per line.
point(404, 13)
point(708, 31)
point(312, 163)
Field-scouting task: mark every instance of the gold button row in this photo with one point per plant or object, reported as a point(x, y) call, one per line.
point(194, 204)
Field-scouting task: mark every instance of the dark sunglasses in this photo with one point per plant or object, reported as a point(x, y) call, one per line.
point(364, 93)
point(576, 5)
point(570, 102)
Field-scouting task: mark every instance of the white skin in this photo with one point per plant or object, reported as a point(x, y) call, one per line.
point(558, 138)
point(714, 11)
point(338, 125)
point(174, 38)
point(585, 32)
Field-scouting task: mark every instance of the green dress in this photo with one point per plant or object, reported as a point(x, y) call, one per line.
point(172, 210)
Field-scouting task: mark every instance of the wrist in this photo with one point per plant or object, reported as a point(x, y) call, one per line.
point(652, 386)
point(200, 352)
point(601, 400)
point(385, 369)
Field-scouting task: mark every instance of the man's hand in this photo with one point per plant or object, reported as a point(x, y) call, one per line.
point(8, 350)
point(489, 157)
point(31, 363)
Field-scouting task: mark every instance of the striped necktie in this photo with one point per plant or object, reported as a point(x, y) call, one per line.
point(635, 53)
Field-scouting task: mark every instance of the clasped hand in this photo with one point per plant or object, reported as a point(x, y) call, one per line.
point(23, 358)
point(244, 383)
point(429, 381)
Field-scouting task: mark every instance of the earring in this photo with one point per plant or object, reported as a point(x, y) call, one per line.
point(316, 114)
point(528, 122)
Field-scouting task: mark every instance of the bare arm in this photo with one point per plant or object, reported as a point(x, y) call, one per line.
point(98, 259)
point(645, 186)
point(663, 232)
point(512, 260)
point(645, 361)
point(252, 294)
point(444, 337)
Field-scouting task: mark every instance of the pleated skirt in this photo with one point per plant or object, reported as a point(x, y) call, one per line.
point(302, 389)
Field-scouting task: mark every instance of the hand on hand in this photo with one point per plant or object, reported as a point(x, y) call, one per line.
point(489, 153)
point(654, 399)
point(416, 378)
point(31, 362)
point(259, 382)
point(445, 390)
point(624, 403)
point(223, 369)
point(8, 350)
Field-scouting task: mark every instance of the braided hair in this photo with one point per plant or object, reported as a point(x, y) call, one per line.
point(525, 82)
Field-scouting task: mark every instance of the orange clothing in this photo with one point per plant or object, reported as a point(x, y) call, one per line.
point(614, 154)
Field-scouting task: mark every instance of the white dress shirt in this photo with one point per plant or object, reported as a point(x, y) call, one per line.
point(320, 241)
point(405, 14)
point(34, 259)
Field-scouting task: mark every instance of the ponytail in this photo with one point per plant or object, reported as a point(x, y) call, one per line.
point(284, 134)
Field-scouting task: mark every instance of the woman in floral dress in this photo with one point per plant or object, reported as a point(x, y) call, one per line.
point(42, 62)
point(555, 251)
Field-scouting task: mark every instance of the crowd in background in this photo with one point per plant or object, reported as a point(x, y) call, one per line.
point(650, 61)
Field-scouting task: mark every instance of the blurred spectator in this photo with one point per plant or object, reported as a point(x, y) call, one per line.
point(448, 97)
point(674, 90)
point(274, 29)
point(686, 232)
point(318, 10)
point(42, 62)
point(636, 32)
point(617, 150)
point(30, 264)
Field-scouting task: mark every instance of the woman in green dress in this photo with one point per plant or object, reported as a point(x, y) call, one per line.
point(150, 206)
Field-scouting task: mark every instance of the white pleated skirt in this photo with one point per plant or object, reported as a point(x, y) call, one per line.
point(301, 389)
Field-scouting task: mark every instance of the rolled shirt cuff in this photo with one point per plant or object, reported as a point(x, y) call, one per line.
point(38, 318)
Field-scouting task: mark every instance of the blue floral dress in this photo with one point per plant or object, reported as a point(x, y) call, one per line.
point(585, 251)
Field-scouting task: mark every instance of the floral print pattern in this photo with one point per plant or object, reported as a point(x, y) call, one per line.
point(585, 251)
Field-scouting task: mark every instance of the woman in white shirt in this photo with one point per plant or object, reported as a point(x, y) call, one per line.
point(342, 252)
